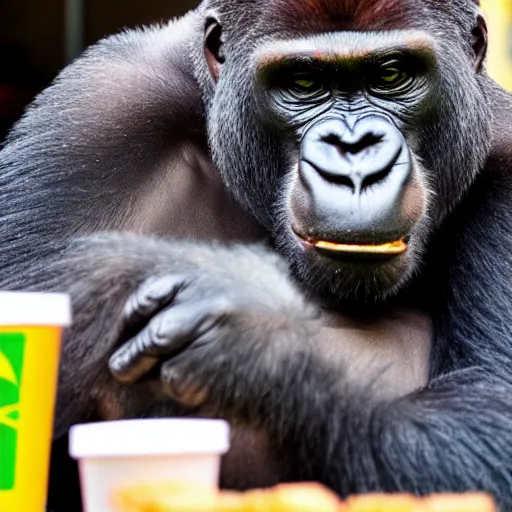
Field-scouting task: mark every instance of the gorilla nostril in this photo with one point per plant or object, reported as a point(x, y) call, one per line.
point(338, 179)
point(346, 181)
point(353, 147)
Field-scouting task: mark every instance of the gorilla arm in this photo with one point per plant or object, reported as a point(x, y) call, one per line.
point(86, 271)
point(241, 289)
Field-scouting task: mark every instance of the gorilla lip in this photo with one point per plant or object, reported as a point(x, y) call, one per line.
point(389, 249)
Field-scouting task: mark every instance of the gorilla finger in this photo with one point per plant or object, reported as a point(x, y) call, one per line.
point(153, 295)
point(167, 334)
point(182, 388)
point(127, 367)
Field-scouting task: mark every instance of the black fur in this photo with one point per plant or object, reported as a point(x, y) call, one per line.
point(94, 149)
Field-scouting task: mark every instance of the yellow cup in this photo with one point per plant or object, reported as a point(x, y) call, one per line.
point(30, 340)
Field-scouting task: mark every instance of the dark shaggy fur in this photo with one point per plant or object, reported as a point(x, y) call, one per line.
point(124, 141)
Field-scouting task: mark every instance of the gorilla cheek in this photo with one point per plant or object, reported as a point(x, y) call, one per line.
point(415, 198)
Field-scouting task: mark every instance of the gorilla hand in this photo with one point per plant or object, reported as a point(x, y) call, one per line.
point(202, 326)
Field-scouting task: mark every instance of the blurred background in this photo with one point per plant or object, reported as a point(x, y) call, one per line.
point(38, 37)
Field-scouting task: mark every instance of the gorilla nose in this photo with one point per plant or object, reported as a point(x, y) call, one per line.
point(355, 182)
point(354, 154)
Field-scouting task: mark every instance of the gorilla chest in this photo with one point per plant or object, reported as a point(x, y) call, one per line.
point(392, 352)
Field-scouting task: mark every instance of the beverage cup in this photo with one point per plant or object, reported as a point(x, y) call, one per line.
point(30, 340)
point(117, 454)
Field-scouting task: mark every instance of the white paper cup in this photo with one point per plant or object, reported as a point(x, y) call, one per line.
point(123, 453)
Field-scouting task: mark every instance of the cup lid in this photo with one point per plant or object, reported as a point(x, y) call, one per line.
point(148, 437)
point(35, 309)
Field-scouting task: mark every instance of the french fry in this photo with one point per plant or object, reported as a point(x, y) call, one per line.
point(165, 497)
point(470, 502)
point(304, 497)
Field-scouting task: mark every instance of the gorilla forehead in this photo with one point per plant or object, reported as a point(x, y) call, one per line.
point(303, 17)
point(346, 44)
point(326, 15)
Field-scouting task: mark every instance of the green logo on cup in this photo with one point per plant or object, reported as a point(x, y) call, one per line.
point(11, 365)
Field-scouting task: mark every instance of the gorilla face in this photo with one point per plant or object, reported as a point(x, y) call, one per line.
point(341, 147)
point(356, 193)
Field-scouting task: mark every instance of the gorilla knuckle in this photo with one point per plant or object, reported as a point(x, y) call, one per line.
point(182, 386)
point(222, 306)
point(158, 334)
point(162, 287)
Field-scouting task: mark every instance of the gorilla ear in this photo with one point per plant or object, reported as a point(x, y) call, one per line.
point(480, 40)
point(214, 47)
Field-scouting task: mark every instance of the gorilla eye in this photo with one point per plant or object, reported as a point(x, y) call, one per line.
point(307, 85)
point(390, 75)
point(391, 78)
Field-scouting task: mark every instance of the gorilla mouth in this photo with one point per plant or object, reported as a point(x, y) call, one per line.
point(390, 248)
point(355, 253)
point(349, 252)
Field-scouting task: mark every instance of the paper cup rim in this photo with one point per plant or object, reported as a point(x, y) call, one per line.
point(34, 309)
point(148, 437)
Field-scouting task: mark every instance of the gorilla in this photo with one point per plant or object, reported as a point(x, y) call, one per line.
point(294, 215)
